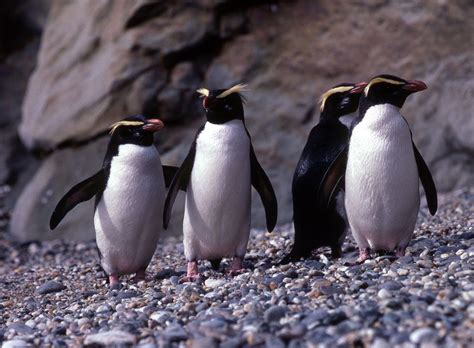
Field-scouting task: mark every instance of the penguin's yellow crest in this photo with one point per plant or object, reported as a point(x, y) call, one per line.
point(241, 87)
point(327, 94)
point(380, 80)
point(203, 91)
point(125, 123)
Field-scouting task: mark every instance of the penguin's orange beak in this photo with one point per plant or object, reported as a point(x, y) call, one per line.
point(415, 86)
point(153, 125)
point(358, 88)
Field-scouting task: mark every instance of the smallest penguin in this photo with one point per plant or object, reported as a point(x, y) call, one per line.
point(129, 195)
point(318, 212)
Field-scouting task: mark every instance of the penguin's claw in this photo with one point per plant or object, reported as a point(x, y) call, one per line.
point(364, 254)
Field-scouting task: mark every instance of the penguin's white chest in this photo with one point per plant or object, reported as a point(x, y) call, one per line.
point(382, 197)
point(217, 213)
point(128, 217)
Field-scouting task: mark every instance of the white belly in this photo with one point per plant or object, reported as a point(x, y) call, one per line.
point(382, 197)
point(217, 211)
point(128, 218)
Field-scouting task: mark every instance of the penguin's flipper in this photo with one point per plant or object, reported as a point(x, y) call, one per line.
point(264, 187)
point(180, 181)
point(333, 179)
point(81, 192)
point(168, 173)
point(427, 181)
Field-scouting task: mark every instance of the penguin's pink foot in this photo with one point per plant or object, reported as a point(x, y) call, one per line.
point(139, 276)
point(236, 266)
point(114, 281)
point(192, 273)
point(364, 254)
point(399, 252)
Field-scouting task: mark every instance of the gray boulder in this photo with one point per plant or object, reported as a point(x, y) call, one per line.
point(100, 61)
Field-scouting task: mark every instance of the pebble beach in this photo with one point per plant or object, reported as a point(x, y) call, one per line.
point(55, 293)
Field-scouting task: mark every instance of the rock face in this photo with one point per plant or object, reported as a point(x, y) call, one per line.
point(26, 19)
point(102, 60)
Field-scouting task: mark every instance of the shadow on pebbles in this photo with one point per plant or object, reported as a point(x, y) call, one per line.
point(54, 293)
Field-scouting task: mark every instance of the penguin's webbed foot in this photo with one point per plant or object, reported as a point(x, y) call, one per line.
point(192, 274)
point(139, 276)
point(364, 254)
point(114, 282)
point(400, 252)
point(236, 266)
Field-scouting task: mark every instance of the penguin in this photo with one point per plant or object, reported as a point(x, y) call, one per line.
point(217, 175)
point(383, 170)
point(129, 195)
point(316, 223)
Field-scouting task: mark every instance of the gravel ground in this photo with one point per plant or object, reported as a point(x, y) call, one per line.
point(54, 294)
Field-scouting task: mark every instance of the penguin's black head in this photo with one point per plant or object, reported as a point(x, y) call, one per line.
point(223, 105)
point(135, 130)
point(341, 100)
point(389, 89)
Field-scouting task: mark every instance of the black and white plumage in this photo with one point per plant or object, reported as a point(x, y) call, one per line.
point(318, 220)
point(383, 170)
point(217, 175)
point(130, 193)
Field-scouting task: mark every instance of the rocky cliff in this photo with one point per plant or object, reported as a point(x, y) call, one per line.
point(102, 60)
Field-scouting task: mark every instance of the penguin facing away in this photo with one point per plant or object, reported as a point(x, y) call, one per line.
point(316, 222)
point(383, 170)
point(130, 193)
point(217, 175)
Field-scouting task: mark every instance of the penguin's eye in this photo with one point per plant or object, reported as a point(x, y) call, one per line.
point(227, 107)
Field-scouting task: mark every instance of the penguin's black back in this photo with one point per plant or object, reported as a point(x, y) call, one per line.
point(317, 225)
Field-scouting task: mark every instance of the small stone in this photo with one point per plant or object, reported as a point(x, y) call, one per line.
point(214, 283)
point(160, 317)
point(175, 333)
point(380, 343)
point(20, 328)
point(108, 338)
point(14, 344)
point(50, 287)
point(126, 294)
point(391, 285)
point(423, 335)
point(289, 333)
point(31, 323)
point(274, 342)
point(274, 313)
point(174, 280)
point(384, 294)
point(203, 342)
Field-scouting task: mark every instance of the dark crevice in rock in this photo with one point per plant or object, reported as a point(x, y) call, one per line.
point(209, 46)
point(42, 153)
point(242, 5)
point(18, 160)
point(145, 13)
point(16, 27)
